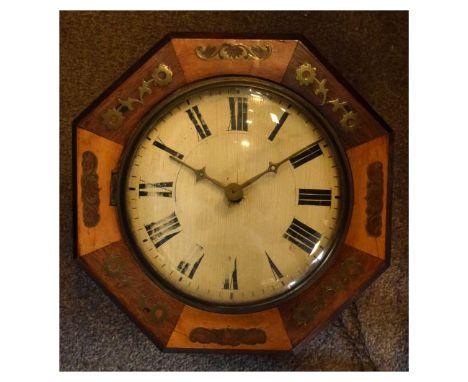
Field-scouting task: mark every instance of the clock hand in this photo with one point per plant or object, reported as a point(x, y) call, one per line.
point(199, 173)
point(273, 167)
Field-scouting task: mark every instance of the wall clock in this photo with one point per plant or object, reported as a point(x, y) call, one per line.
point(232, 193)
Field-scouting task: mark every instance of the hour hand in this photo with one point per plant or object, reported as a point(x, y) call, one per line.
point(273, 167)
point(199, 173)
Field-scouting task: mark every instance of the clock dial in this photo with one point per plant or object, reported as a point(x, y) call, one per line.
point(234, 194)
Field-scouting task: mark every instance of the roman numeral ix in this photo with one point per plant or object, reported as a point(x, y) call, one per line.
point(306, 155)
point(302, 235)
point(163, 189)
point(238, 123)
point(163, 230)
point(313, 197)
point(278, 126)
point(231, 283)
point(197, 120)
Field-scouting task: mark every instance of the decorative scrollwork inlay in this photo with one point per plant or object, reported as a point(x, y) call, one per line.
point(233, 52)
point(348, 271)
point(113, 118)
point(89, 189)
point(374, 198)
point(228, 336)
point(306, 75)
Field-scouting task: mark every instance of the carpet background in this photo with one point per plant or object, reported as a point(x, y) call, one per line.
point(370, 49)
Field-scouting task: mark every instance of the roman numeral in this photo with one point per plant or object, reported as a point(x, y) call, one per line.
point(276, 272)
point(163, 189)
point(306, 155)
point(302, 235)
point(168, 150)
point(278, 126)
point(163, 230)
point(231, 283)
point(239, 123)
point(183, 267)
point(313, 197)
point(197, 120)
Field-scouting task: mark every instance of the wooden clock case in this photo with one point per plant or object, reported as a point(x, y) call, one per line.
point(101, 132)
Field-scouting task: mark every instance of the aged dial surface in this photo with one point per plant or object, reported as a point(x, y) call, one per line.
point(233, 194)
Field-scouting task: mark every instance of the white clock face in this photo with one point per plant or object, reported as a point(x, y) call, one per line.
point(233, 196)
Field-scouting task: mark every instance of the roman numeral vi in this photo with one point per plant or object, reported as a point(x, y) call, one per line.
point(231, 282)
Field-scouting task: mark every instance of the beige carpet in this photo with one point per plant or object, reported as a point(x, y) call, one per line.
point(370, 49)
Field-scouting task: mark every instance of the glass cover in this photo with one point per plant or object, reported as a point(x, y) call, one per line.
point(233, 194)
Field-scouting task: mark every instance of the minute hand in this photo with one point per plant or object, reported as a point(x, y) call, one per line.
point(199, 173)
point(273, 167)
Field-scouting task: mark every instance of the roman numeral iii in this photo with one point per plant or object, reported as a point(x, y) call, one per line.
point(238, 122)
point(306, 155)
point(231, 282)
point(163, 230)
point(163, 189)
point(312, 197)
point(302, 235)
point(198, 121)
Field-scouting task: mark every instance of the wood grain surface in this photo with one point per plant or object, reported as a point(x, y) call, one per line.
point(360, 158)
point(108, 154)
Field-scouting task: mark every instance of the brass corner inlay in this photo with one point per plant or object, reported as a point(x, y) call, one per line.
point(228, 336)
point(113, 118)
point(115, 267)
point(349, 269)
point(233, 52)
point(89, 189)
point(374, 198)
point(306, 75)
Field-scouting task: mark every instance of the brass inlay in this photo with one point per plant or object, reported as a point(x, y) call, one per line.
point(306, 75)
point(90, 189)
point(228, 336)
point(113, 118)
point(374, 199)
point(348, 271)
point(233, 52)
point(115, 268)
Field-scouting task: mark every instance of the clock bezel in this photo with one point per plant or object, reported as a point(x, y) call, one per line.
point(158, 112)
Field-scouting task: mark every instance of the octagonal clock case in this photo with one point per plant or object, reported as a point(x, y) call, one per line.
point(232, 193)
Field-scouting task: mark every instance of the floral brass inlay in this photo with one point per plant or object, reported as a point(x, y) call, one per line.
point(114, 267)
point(233, 52)
point(90, 189)
point(113, 118)
point(306, 75)
point(348, 270)
point(374, 198)
point(228, 336)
